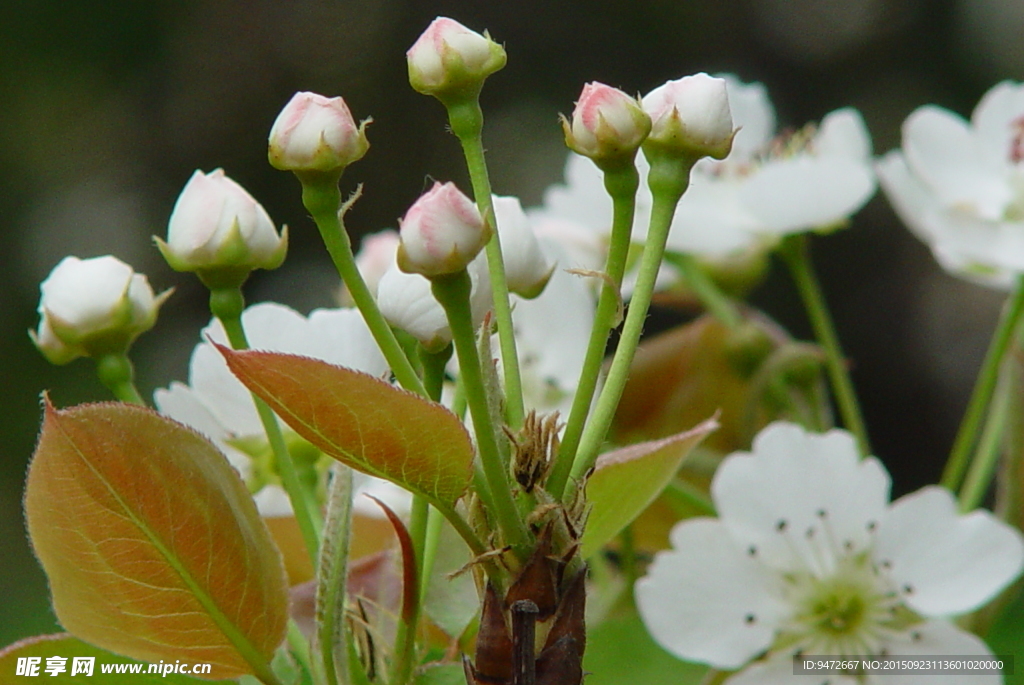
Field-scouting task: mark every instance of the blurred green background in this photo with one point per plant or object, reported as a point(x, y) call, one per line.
point(106, 108)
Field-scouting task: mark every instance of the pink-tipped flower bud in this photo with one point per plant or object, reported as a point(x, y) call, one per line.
point(316, 133)
point(218, 228)
point(607, 124)
point(441, 233)
point(691, 115)
point(448, 59)
point(93, 307)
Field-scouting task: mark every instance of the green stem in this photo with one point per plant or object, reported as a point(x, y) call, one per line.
point(684, 497)
point(795, 252)
point(622, 185)
point(331, 581)
point(967, 435)
point(299, 646)
point(467, 122)
point(227, 305)
point(706, 290)
point(321, 196)
point(715, 677)
point(979, 476)
point(668, 179)
point(452, 292)
point(433, 538)
point(117, 373)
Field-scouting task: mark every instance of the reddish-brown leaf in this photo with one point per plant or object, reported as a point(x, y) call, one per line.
point(151, 542)
point(362, 421)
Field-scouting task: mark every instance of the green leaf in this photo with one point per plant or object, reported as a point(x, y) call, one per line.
point(451, 602)
point(151, 542)
point(364, 422)
point(621, 652)
point(627, 480)
point(70, 647)
point(441, 674)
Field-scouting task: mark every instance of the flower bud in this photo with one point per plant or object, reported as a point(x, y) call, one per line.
point(691, 115)
point(527, 269)
point(441, 233)
point(93, 307)
point(407, 302)
point(315, 133)
point(217, 228)
point(448, 59)
point(606, 124)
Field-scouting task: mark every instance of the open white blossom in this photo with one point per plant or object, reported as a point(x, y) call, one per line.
point(959, 185)
point(767, 187)
point(216, 403)
point(807, 556)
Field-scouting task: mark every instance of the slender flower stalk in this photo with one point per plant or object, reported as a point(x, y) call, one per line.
point(795, 252)
point(117, 373)
point(622, 186)
point(981, 396)
point(321, 196)
point(713, 299)
point(452, 291)
point(466, 121)
point(227, 304)
point(986, 458)
point(668, 179)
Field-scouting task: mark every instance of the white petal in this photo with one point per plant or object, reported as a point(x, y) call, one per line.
point(950, 564)
point(937, 638)
point(583, 198)
point(752, 114)
point(341, 337)
point(711, 220)
point(942, 150)
point(706, 601)
point(223, 394)
point(277, 328)
point(804, 192)
point(843, 134)
point(552, 333)
point(793, 483)
point(996, 122)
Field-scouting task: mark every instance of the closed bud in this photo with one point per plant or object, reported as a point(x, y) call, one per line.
point(407, 302)
point(691, 116)
point(316, 133)
point(441, 233)
point(449, 60)
point(220, 232)
point(527, 270)
point(92, 308)
point(607, 124)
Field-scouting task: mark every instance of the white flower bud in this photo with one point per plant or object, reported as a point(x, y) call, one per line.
point(448, 58)
point(691, 115)
point(527, 269)
point(441, 233)
point(606, 123)
point(316, 133)
point(217, 226)
point(407, 302)
point(93, 307)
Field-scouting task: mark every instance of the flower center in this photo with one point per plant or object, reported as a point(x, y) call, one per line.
point(844, 603)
